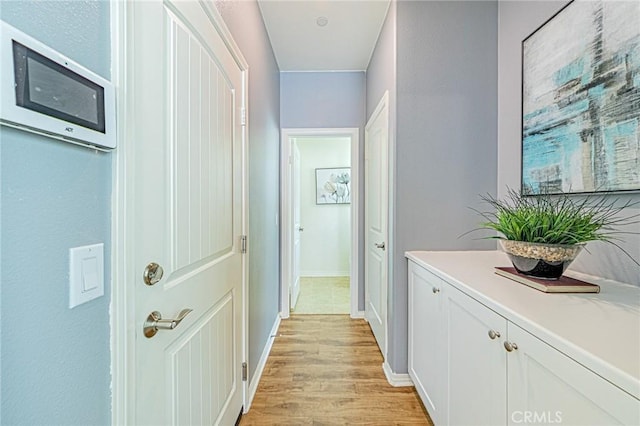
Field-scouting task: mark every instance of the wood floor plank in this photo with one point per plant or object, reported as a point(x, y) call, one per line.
point(327, 370)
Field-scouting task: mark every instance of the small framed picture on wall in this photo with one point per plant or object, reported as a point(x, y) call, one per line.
point(333, 186)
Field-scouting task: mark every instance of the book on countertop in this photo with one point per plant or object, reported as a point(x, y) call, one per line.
point(563, 284)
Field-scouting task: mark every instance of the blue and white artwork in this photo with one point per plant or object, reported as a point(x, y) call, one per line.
point(581, 100)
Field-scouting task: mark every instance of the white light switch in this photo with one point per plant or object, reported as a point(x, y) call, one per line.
point(89, 274)
point(86, 274)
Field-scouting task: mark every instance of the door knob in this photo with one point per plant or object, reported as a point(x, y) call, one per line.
point(155, 322)
point(300, 228)
point(493, 334)
point(435, 290)
point(380, 246)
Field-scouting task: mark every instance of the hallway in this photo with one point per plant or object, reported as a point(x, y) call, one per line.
point(327, 369)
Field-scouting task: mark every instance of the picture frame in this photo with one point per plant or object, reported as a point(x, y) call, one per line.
point(580, 115)
point(333, 185)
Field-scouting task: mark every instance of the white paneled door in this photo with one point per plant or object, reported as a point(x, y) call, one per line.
point(297, 226)
point(376, 188)
point(185, 91)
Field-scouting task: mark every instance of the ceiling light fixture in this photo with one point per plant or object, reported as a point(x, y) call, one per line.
point(322, 21)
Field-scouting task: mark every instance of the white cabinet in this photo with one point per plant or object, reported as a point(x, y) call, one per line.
point(476, 362)
point(427, 347)
point(452, 360)
point(548, 387)
point(477, 372)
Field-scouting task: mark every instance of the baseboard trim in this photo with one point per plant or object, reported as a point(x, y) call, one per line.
point(255, 380)
point(395, 379)
point(358, 315)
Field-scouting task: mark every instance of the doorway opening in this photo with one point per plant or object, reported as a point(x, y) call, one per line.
point(319, 204)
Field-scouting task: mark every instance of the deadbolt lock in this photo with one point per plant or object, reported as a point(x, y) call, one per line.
point(152, 273)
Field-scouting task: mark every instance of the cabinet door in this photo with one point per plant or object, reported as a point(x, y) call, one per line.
point(427, 351)
point(477, 362)
point(546, 386)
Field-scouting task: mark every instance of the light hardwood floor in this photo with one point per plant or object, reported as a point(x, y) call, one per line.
point(327, 370)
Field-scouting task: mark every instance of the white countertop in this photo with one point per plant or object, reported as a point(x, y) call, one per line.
point(599, 330)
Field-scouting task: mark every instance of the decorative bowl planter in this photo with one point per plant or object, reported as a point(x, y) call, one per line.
point(547, 261)
point(563, 225)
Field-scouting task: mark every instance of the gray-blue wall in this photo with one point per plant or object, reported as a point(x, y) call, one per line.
point(517, 21)
point(381, 78)
point(328, 100)
point(381, 72)
point(445, 135)
point(244, 20)
point(54, 360)
point(322, 99)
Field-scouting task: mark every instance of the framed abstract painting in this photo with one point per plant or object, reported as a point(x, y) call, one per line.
point(581, 100)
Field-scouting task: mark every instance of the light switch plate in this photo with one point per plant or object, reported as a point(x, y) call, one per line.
point(86, 274)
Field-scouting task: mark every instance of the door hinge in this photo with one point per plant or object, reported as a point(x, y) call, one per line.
point(243, 244)
point(244, 371)
point(243, 116)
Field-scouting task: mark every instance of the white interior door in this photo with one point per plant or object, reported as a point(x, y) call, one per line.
point(297, 226)
point(376, 194)
point(186, 95)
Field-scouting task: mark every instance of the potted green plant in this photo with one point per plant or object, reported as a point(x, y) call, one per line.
point(543, 234)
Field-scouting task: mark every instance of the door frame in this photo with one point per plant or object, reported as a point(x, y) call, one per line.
point(286, 237)
point(123, 382)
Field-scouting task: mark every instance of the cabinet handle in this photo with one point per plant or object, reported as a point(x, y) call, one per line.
point(435, 290)
point(509, 346)
point(493, 334)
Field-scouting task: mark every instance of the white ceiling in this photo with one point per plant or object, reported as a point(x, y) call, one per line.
point(344, 44)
